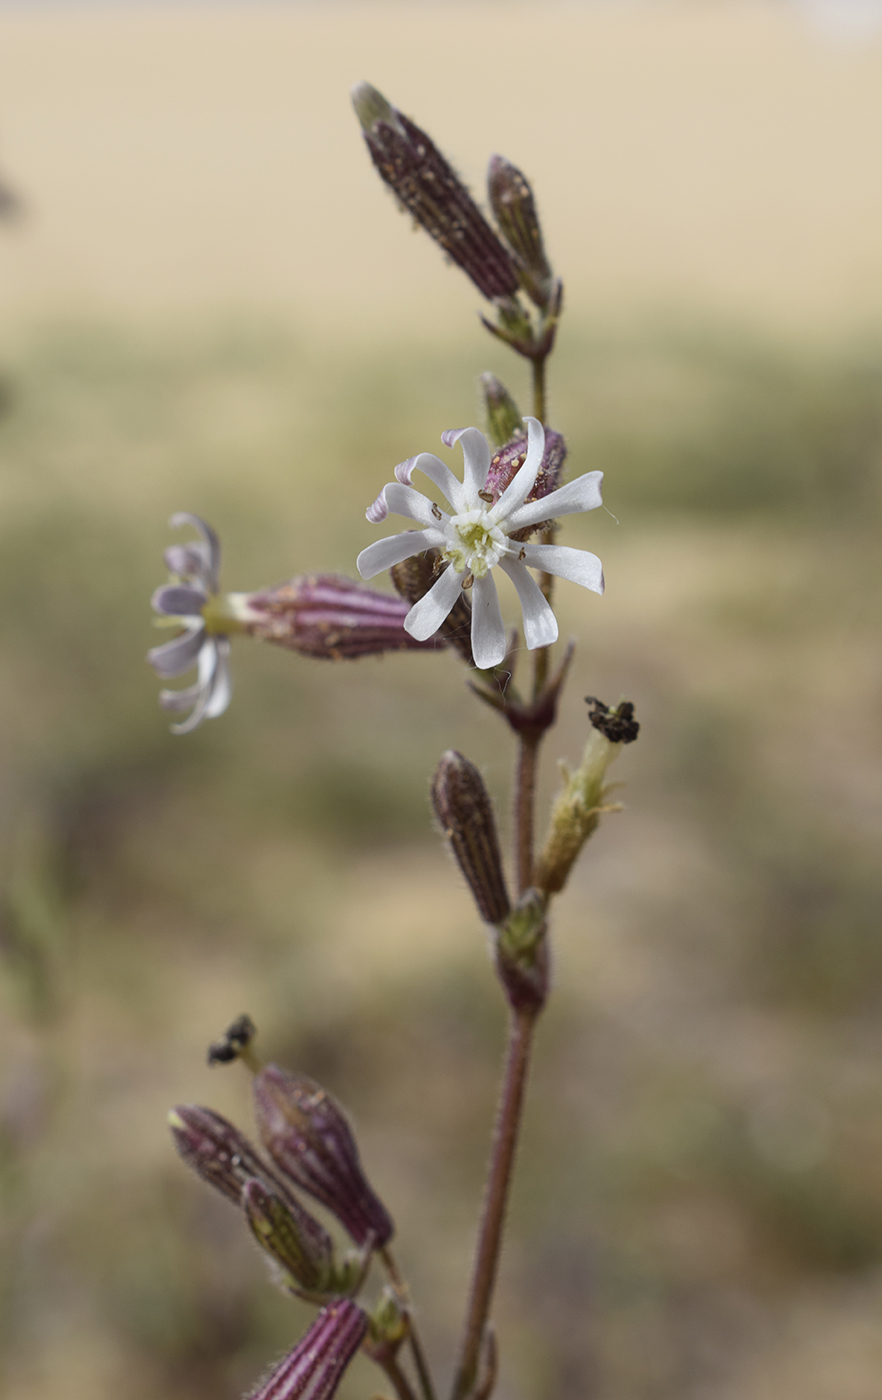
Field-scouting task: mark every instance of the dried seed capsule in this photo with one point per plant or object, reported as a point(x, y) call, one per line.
point(463, 807)
point(308, 1137)
point(314, 1369)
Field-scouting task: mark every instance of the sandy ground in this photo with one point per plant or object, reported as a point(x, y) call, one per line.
point(722, 156)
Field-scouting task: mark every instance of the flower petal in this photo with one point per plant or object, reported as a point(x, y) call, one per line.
point(581, 494)
point(476, 462)
point(221, 685)
point(426, 615)
point(175, 657)
point(413, 505)
point(437, 471)
point(524, 480)
point(377, 510)
point(575, 565)
point(395, 548)
point(188, 561)
point(179, 600)
point(540, 623)
point(488, 628)
point(183, 517)
point(179, 700)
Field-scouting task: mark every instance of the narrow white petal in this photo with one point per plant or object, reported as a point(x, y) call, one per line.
point(476, 458)
point(175, 657)
point(413, 505)
point(488, 628)
point(519, 489)
point(426, 616)
point(540, 624)
point(221, 682)
point(581, 494)
point(439, 472)
point(382, 554)
point(575, 565)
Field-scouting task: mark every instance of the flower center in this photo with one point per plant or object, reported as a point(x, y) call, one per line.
point(474, 546)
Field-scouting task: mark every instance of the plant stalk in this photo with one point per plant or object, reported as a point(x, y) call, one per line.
point(416, 1347)
point(505, 1137)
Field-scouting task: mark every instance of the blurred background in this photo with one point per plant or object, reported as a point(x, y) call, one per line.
point(208, 302)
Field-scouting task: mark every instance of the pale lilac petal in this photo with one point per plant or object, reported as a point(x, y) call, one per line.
point(426, 616)
point(540, 624)
point(581, 494)
point(221, 687)
point(476, 459)
point(175, 657)
point(179, 700)
point(179, 600)
point(383, 554)
point(488, 628)
point(575, 565)
point(439, 472)
point(451, 436)
point(377, 510)
point(413, 505)
point(188, 561)
point(404, 471)
point(524, 480)
point(212, 543)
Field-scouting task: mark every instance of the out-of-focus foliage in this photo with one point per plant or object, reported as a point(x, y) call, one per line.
point(699, 1210)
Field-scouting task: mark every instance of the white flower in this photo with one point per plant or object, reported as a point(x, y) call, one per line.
point(196, 565)
point(477, 537)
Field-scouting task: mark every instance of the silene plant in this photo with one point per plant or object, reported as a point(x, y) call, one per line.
point(501, 514)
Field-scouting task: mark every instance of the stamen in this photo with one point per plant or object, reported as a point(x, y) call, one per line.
point(468, 580)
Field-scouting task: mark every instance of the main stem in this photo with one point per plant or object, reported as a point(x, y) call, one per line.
point(505, 1138)
point(525, 791)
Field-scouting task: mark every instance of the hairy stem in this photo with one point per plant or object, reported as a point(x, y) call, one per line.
point(397, 1377)
point(416, 1347)
point(539, 388)
point(525, 792)
point(505, 1138)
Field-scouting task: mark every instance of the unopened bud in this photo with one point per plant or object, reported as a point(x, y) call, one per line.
point(413, 578)
point(429, 189)
point(503, 419)
point(326, 616)
point(309, 1139)
point(463, 807)
point(581, 802)
point(512, 202)
point(296, 1241)
point(217, 1151)
point(314, 1369)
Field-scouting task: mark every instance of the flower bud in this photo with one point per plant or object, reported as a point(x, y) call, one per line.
point(581, 802)
point(413, 578)
point(308, 1137)
point(326, 616)
point(463, 807)
point(427, 187)
point(514, 207)
point(503, 419)
point(297, 1241)
point(216, 1151)
point(314, 1369)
